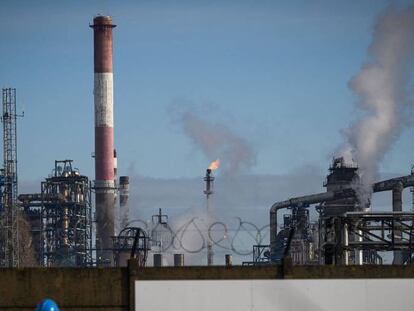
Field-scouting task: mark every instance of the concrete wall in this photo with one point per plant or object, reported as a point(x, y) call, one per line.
point(112, 289)
point(275, 295)
point(72, 288)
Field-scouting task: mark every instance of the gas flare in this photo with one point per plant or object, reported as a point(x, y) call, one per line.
point(214, 165)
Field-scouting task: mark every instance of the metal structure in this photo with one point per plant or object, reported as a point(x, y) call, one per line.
point(178, 260)
point(132, 242)
point(261, 256)
point(373, 233)
point(161, 233)
point(66, 217)
point(123, 201)
point(346, 232)
point(9, 214)
point(209, 179)
point(104, 139)
point(412, 191)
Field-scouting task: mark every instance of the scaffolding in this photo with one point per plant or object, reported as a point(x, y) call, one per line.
point(9, 252)
point(66, 218)
point(369, 234)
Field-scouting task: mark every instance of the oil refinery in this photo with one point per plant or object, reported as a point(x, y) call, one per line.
point(76, 239)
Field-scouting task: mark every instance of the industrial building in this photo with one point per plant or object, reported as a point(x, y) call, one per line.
point(346, 232)
point(61, 218)
point(77, 223)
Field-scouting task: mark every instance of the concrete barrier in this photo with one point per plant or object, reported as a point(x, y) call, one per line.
point(113, 289)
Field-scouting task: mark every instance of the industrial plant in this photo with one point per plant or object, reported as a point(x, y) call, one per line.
point(73, 221)
point(347, 232)
point(75, 239)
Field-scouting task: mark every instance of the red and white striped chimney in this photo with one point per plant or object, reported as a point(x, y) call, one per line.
point(104, 137)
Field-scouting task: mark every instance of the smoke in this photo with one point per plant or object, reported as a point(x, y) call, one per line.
point(381, 86)
point(216, 140)
point(192, 234)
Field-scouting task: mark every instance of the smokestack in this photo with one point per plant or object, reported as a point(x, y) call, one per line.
point(208, 192)
point(117, 230)
point(209, 183)
point(115, 169)
point(104, 137)
point(123, 200)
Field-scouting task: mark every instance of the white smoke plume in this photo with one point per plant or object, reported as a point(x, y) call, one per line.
point(381, 86)
point(217, 140)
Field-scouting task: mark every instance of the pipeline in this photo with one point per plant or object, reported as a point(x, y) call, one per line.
point(41, 197)
point(390, 184)
point(305, 201)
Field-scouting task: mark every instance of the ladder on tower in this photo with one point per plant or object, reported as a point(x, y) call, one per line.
point(9, 213)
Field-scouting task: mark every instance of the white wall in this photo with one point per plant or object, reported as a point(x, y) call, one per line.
point(287, 295)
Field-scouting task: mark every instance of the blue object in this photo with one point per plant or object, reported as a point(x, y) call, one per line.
point(47, 305)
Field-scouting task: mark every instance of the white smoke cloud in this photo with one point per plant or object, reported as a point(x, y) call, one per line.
point(247, 197)
point(216, 140)
point(381, 87)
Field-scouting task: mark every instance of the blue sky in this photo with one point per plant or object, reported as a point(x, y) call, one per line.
point(275, 72)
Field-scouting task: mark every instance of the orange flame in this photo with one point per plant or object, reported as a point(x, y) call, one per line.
point(214, 165)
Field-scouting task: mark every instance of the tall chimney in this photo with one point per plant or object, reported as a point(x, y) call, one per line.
point(104, 137)
point(123, 201)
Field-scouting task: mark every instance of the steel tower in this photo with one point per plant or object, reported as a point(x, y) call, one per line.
point(10, 226)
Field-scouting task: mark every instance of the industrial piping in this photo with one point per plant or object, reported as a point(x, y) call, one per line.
point(397, 207)
point(123, 200)
point(104, 137)
point(394, 184)
point(302, 202)
point(209, 179)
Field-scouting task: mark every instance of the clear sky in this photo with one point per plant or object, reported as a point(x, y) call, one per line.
point(274, 72)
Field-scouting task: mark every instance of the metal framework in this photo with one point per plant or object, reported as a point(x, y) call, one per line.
point(10, 224)
point(132, 242)
point(66, 217)
point(209, 179)
point(368, 234)
point(261, 256)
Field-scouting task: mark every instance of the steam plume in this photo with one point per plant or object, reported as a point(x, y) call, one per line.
point(381, 86)
point(217, 141)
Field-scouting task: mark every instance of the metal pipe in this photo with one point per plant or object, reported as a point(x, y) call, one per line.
point(359, 255)
point(42, 197)
point(346, 244)
point(65, 225)
point(390, 184)
point(397, 207)
point(115, 178)
point(123, 200)
point(209, 179)
point(104, 137)
point(157, 260)
point(229, 260)
point(385, 185)
point(302, 201)
point(178, 260)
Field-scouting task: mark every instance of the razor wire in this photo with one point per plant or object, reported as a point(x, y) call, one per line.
point(192, 238)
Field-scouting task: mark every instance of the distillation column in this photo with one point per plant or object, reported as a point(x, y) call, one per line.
point(104, 137)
